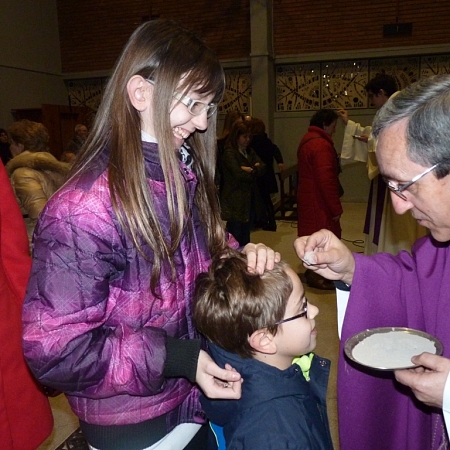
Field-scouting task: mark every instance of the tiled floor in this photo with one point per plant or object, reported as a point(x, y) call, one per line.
point(65, 423)
point(282, 240)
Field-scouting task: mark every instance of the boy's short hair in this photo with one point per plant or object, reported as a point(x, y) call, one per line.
point(230, 303)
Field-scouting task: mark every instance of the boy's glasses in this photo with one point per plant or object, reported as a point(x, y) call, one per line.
point(401, 187)
point(195, 107)
point(302, 314)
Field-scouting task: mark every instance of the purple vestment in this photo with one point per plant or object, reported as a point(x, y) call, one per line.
point(375, 411)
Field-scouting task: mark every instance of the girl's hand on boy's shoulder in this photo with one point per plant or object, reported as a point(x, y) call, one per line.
point(260, 257)
point(216, 382)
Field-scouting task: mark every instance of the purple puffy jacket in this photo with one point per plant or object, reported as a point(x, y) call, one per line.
point(92, 328)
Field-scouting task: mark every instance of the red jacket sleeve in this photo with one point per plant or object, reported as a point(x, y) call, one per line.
point(25, 416)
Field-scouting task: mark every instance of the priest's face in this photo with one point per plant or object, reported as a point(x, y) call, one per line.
point(428, 199)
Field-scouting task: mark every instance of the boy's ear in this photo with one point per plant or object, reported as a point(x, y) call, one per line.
point(262, 341)
point(139, 92)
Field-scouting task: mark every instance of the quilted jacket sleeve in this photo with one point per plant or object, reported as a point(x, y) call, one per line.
point(73, 338)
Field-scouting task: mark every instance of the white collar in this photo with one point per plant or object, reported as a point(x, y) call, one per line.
point(147, 137)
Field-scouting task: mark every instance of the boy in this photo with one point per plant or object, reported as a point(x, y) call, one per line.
point(259, 324)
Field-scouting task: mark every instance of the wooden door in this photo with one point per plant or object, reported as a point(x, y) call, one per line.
point(60, 121)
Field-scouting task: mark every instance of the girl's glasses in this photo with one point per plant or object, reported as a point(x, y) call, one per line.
point(195, 107)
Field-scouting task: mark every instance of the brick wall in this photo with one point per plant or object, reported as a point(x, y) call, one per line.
point(93, 33)
point(223, 24)
point(304, 26)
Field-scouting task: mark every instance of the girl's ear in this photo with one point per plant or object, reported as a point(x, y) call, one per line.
point(263, 342)
point(139, 90)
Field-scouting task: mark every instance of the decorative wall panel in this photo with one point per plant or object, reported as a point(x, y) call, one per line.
point(298, 87)
point(434, 65)
point(238, 91)
point(302, 86)
point(343, 84)
point(404, 70)
point(86, 92)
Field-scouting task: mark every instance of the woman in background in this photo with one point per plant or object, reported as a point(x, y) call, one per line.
point(319, 190)
point(231, 118)
point(267, 183)
point(34, 172)
point(239, 196)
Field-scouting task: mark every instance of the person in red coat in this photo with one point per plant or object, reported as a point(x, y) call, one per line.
point(25, 415)
point(319, 190)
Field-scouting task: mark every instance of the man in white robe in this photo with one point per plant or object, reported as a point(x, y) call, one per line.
point(385, 230)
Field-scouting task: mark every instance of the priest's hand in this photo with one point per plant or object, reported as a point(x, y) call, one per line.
point(427, 381)
point(327, 255)
point(343, 114)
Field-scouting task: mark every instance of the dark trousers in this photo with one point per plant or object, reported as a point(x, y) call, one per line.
point(240, 230)
point(269, 211)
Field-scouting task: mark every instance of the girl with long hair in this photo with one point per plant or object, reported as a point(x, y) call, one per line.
point(107, 316)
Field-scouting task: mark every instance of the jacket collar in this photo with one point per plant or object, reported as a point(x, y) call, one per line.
point(262, 381)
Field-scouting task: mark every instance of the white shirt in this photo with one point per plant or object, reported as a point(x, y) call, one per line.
point(147, 137)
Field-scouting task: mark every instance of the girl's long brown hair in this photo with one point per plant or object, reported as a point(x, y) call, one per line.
point(164, 52)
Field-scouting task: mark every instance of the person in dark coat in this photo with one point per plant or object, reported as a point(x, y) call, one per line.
point(319, 190)
point(74, 145)
point(267, 183)
point(231, 118)
point(239, 196)
point(270, 335)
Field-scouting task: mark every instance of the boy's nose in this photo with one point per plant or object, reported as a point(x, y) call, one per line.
point(313, 311)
